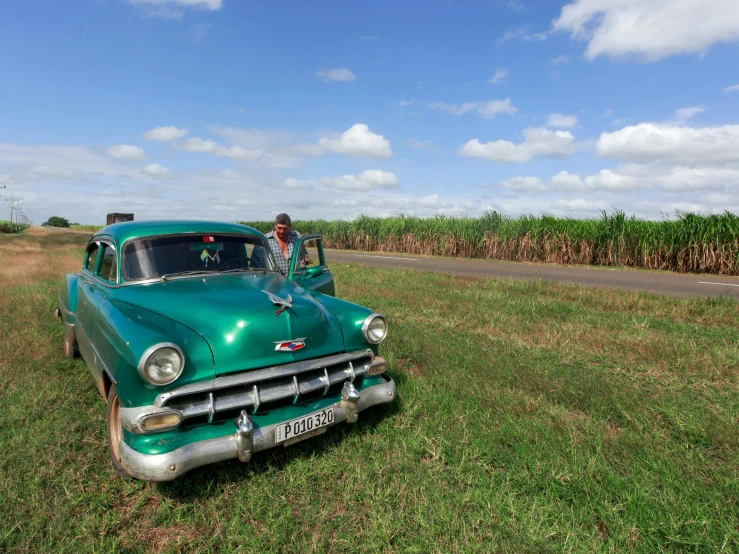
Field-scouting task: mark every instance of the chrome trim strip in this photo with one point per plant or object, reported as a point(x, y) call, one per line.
point(211, 408)
point(297, 390)
point(352, 376)
point(327, 382)
point(255, 399)
point(170, 465)
point(255, 375)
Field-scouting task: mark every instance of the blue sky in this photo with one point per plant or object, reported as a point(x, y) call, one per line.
point(237, 109)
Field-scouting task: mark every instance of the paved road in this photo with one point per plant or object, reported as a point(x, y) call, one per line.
point(648, 281)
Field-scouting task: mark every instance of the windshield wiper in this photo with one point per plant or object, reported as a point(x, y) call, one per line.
point(187, 273)
point(234, 270)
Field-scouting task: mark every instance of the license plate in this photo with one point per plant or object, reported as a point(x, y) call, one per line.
point(303, 425)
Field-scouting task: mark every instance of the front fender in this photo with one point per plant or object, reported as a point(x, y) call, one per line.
point(68, 298)
point(124, 332)
point(350, 316)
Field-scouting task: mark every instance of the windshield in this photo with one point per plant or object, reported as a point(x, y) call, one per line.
point(154, 257)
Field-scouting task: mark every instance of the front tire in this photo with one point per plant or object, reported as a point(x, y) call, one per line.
point(115, 432)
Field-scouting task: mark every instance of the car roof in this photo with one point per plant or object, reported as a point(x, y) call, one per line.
point(124, 231)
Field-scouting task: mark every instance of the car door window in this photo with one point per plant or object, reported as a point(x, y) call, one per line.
point(92, 257)
point(310, 255)
point(109, 264)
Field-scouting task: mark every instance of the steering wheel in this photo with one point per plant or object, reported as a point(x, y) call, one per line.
point(224, 265)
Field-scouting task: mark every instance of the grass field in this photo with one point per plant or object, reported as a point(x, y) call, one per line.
point(91, 228)
point(532, 417)
point(8, 227)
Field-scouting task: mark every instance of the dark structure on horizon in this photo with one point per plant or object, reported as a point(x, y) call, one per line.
point(117, 218)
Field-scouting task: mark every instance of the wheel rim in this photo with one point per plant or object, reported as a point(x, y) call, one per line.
point(114, 427)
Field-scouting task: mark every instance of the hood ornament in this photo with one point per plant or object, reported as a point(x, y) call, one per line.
point(285, 303)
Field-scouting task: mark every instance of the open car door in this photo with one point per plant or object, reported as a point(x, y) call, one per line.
point(308, 265)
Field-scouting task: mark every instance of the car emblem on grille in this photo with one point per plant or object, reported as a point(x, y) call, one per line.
point(284, 302)
point(289, 345)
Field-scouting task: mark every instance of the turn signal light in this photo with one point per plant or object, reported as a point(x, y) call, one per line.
point(160, 422)
point(376, 367)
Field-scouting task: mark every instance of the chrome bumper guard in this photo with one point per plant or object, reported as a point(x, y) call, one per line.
point(245, 441)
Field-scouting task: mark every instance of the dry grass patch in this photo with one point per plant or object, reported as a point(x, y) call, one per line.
point(138, 528)
point(26, 259)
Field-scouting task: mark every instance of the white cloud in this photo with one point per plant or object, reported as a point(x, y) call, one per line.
point(567, 181)
point(607, 179)
point(561, 121)
point(515, 5)
point(525, 184)
point(358, 140)
point(580, 205)
point(649, 29)
point(732, 88)
point(560, 60)
point(336, 75)
point(367, 180)
point(154, 170)
point(683, 114)
point(521, 33)
point(292, 183)
point(174, 9)
point(672, 143)
point(252, 138)
point(499, 77)
point(644, 177)
point(537, 142)
point(485, 110)
point(126, 152)
point(60, 161)
point(235, 152)
point(83, 185)
point(419, 144)
point(406, 103)
point(200, 31)
point(164, 134)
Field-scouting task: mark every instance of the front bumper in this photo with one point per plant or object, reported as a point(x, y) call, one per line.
point(244, 442)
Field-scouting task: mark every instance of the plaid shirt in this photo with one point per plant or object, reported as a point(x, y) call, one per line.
point(283, 264)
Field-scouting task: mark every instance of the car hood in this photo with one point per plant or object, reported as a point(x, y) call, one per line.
point(238, 320)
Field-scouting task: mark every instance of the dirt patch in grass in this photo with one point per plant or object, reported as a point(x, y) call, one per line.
point(138, 528)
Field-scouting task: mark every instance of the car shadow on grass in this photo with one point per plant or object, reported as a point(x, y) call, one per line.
point(203, 482)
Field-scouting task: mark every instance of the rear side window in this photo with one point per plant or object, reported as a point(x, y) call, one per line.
point(92, 257)
point(109, 265)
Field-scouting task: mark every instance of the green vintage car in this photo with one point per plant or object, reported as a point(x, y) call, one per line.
point(204, 351)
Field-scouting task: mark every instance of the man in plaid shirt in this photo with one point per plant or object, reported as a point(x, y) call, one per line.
point(281, 242)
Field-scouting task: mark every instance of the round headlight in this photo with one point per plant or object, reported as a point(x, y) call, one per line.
point(374, 329)
point(161, 364)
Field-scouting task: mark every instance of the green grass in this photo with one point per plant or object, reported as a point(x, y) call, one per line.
point(532, 417)
point(8, 227)
point(688, 243)
point(92, 228)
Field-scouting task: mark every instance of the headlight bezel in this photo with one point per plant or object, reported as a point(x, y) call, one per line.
point(149, 352)
point(365, 328)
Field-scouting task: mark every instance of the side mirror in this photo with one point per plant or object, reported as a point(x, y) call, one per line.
point(312, 272)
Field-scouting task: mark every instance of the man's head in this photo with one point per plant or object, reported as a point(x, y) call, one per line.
point(283, 224)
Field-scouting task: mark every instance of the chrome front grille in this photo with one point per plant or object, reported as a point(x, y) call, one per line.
point(258, 389)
